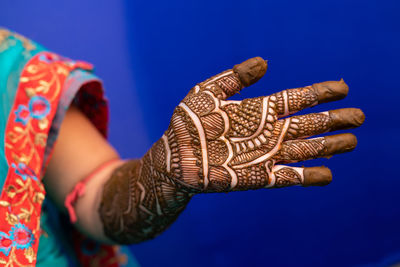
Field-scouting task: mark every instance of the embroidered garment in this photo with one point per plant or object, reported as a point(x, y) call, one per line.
point(36, 88)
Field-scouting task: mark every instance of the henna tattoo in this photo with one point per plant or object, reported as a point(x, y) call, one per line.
point(221, 86)
point(293, 151)
point(201, 103)
point(244, 118)
point(234, 135)
point(140, 200)
point(213, 125)
point(301, 98)
point(318, 123)
point(253, 177)
point(307, 125)
point(287, 177)
point(292, 100)
point(216, 145)
point(187, 153)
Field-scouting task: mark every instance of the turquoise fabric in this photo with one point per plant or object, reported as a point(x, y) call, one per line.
point(13, 57)
point(15, 51)
point(52, 250)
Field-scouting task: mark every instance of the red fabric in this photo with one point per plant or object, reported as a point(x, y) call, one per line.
point(92, 254)
point(28, 125)
point(25, 141)
point(93, 104)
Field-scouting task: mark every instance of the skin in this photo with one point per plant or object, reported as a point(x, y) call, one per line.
point(212, 145)
point(83, 148)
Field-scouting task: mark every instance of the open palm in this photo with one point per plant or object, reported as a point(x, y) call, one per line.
point(218, 145)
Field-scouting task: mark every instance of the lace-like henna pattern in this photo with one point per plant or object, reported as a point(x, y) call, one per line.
point(140, 200)
point(217, 145)
point(292, 100)
point(287, 177)
point(201, 103)
point(293, 151)
point(225, 85)
point(244, 118)
point(253, 177)
point(307, 125)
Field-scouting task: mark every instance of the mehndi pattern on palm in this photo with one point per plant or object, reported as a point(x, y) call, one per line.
point(225, 145)
point(218, 145)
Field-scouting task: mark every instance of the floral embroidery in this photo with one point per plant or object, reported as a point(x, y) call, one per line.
point(22, 114)
point(22, 237)
point(5, 243)
point(24, 171)
point(40, 85)
point(19, 237)
point(26, 135)
point(39, 107)
point(8, 39)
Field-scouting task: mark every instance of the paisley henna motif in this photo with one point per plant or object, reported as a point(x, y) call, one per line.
point(217, 145)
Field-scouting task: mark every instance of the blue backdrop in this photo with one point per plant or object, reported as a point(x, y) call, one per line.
point(150, 53)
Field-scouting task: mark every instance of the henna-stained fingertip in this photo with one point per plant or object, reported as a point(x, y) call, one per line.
point(317, 176)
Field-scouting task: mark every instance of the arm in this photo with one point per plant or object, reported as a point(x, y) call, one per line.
point(211, 145)
point(79, 150)
point(217, 145)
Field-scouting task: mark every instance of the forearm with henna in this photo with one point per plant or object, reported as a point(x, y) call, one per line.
point(218, 145)
point(141, 200)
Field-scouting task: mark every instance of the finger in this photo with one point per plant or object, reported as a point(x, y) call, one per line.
point(299, 150)
point(230, 82)
point(283, 176)
point(293, 100)
point(318, 123)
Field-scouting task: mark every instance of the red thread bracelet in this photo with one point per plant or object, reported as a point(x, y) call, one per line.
point(79, 190)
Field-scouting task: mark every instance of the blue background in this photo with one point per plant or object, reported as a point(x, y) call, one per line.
point(150, 53)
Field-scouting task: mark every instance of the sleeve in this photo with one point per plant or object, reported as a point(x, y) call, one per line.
point(85, 90)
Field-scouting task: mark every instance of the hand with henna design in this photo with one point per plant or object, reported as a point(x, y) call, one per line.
point(219, 145)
